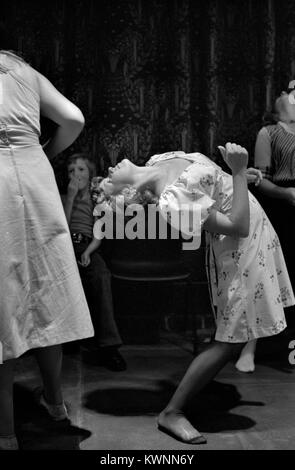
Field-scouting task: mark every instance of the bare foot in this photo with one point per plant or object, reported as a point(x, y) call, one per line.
point(175, 424)
point(246, 360)
point(246, 363)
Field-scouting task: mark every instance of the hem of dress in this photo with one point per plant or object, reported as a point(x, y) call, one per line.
point(255, 335)
point(52, 342)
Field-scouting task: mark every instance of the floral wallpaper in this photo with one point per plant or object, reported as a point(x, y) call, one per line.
point(157, 75)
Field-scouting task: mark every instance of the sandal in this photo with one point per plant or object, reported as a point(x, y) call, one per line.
point(57, 412)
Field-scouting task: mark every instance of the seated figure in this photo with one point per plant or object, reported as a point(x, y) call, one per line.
point(95, 275)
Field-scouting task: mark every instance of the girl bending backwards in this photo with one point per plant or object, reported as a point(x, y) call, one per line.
point(248, 278)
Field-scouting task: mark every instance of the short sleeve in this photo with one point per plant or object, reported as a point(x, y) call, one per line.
point(263, 159)
point(187, 203)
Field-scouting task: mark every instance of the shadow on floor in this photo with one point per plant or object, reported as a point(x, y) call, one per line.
point(210, 412)
point(36, 431)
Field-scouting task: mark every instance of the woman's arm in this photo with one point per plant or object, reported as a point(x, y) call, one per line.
point(237, 224)
point(63, 112)
point(268, 188)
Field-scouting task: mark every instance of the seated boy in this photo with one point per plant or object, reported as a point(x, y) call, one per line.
point(95, 276)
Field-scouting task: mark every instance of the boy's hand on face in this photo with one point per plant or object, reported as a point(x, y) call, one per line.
point(85, 259)
point(73, 187)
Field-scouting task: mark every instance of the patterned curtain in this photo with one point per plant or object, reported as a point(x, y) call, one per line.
point(157, 75)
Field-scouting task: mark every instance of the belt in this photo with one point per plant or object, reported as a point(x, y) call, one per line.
point(78, 237)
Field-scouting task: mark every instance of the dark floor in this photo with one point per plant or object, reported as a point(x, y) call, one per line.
point(117, 410)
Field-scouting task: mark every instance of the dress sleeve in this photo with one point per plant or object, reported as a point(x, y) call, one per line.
point(187, 203)
point(263, 159)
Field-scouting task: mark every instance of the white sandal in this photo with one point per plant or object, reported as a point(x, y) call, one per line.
point(57, 412)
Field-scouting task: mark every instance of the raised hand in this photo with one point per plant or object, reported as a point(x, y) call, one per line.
point(235, 156)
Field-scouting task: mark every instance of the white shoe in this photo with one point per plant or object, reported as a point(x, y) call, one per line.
point(57, 412)
point(8, 443)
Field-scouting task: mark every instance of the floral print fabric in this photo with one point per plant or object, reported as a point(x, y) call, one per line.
point(249, 281)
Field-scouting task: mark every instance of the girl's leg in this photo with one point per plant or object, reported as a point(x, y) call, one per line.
point(50, 363)
point(246, 360)
point(7, 438)
point(203, 368)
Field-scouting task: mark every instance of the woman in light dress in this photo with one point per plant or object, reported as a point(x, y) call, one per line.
point(42, 303)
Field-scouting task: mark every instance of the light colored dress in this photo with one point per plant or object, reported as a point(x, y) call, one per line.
point(42, 302)
point(248, 278)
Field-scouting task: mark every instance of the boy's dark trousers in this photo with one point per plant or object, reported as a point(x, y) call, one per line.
point(96, 280)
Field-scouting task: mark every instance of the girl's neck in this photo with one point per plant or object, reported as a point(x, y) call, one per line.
point(149, 178)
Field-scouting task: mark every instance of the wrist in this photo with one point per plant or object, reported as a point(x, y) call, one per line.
point(240, 172)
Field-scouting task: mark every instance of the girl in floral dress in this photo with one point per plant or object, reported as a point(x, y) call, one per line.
point(248, 279)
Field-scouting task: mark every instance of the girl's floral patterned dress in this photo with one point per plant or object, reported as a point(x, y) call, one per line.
point(249, 281)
